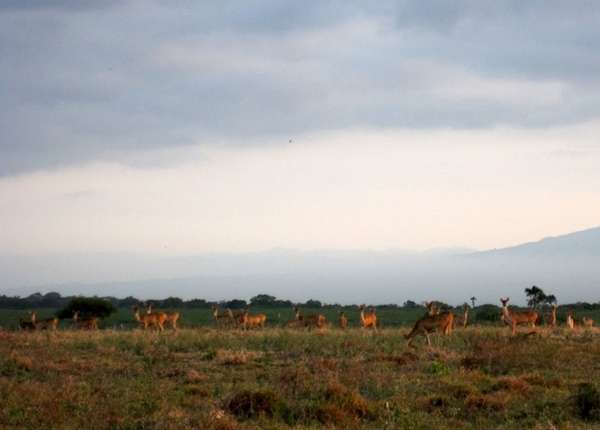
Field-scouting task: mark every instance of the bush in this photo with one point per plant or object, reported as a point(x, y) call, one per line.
point(487, 313)
point(87, 307)
point(587, 402)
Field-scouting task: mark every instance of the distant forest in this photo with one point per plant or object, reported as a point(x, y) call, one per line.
point(56, 300)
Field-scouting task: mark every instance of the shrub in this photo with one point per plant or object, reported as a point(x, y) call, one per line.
point(87, 307)
point(587, 402)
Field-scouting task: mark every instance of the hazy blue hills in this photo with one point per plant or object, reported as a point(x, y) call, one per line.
point(567, 266)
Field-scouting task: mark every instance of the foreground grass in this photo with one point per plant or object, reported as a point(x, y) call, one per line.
point(276, 378)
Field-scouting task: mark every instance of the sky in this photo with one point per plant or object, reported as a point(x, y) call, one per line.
point(183, 127)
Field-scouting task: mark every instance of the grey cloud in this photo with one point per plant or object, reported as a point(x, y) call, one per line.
point(149, 75)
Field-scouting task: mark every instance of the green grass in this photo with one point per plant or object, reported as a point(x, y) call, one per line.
point(276, 317)
point(478, 378)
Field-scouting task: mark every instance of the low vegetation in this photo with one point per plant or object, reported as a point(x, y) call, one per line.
point(301, 378)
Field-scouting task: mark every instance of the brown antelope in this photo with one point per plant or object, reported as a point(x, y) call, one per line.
point(45, 324)
point(87, 323)
point(343, 320)
point(298, 320)
point(28, 325)
point(368, 320)
point(250, 321)
point(314, 320)
point(552, 316)
point(172, 317)
point(431, 322)
point(462, 320)
point(155, 319)
point(222, 320)
point(570, 320)
point(433, 310)
point(587, 322)
point(514, 318)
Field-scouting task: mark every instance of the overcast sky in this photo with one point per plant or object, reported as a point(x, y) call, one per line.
point(183, 127)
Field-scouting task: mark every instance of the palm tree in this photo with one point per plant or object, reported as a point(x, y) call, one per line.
point(473, 299)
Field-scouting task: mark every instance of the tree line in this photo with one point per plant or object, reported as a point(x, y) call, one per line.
point(535, 295)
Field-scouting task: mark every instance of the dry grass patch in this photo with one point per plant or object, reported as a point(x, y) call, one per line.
point(236, 357)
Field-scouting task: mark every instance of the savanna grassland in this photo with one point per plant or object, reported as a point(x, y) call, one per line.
point(275, 378)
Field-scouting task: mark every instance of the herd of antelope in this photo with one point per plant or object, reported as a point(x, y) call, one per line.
point(433, 321)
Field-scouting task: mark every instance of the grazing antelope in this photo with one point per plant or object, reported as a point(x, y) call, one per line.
point(88, 323)
point(343, 320)
point(250, 321)
point(155, 319)
point(222, 320)
point(431, 322)
point(587, 322)
point(514, 318)
point(368, 320)
point(28, 325)
point(172, 317)
point(570, 320)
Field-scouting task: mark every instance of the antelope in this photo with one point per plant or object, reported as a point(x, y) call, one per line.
point(587, 322)
point(220, 319)
point(343, 320)
point(28, 325)
point(431, 322)
point(368, 320)
point(172, 317)
point(298, 320)
point(45, 324)
point(249, 321)
point(316, 320)
point(156, 319)
point(514, 318)
point(552, 319)
point(433, 310)
point(88, 323)
point(464, 318)
point(570, 320)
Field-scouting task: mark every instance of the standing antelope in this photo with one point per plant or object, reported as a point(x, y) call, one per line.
point(154, 319)
point(343, 320)
point(433, 310)
point(313, 320)
point(463, 319)
point(431, 322)
point(172, 317)
point(222, 320)
point(570, 320)
point(45, 324)
point(250, 321)
point(87, 323)
point(28, 325)
point(368, 320)
point(514, 318)
point(552, 321)
point(587, 322)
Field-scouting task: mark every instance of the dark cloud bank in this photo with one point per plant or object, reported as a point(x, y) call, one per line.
point(93, 80)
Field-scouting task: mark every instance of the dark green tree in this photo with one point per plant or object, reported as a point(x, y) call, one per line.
point(263, 300)
point(87, 307)
point(535, 296)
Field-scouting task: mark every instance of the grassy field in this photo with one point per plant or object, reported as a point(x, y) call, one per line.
point(203, 378)
point(276, 317)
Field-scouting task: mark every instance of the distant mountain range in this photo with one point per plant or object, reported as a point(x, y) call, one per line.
point(567, 266)
point(582, 243)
